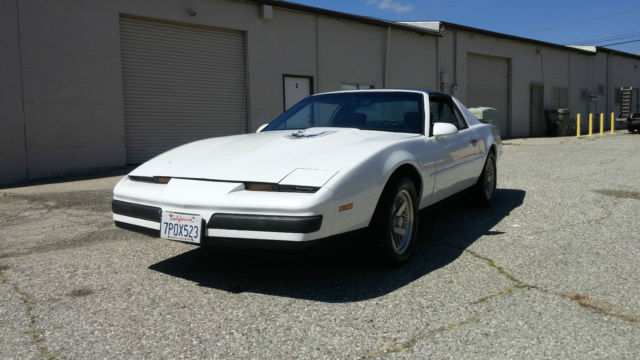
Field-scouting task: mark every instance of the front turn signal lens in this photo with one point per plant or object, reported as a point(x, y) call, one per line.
point(279, 188)
point(261, 187)
point(150, 179)
point(345, 207)
point(162, 179)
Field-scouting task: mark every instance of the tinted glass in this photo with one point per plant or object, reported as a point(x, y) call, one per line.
point(393, 111)
point(443, 110)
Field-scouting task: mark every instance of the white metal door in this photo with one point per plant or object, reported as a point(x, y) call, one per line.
point(488, 85)
point(181, 84)
point(295, 89)
point(456, 163)
point(457, 154)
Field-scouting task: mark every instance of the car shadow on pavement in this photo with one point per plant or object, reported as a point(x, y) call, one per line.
point(344, 271)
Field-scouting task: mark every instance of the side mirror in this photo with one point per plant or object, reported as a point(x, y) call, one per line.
point(444, 129)
point(261, 128)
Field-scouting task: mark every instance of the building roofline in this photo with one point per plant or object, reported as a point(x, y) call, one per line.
point(346, 16)
point(408, 26)
point(446, 24)
point(538, 42)
point(617, 52)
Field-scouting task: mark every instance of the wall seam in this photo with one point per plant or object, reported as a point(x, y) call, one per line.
point(317, 82)
point(247, 78)
point(24, 114)
point(437, 84)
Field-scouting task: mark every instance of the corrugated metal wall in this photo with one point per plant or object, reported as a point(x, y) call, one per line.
point(180, 84)
point(488, 85)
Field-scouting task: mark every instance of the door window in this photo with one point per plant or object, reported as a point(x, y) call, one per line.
point(443, 110)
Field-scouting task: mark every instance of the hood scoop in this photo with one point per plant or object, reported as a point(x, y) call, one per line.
point(301, 134)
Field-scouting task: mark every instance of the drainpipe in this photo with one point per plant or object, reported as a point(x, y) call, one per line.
point(22, 94)
point(454, 86)
point(317, 79)
point(606, 89)
point(385, 80)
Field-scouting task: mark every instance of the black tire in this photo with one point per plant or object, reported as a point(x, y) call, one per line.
point(485, 188)
point(395, 221)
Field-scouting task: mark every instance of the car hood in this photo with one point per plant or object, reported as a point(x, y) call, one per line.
point(310, 157)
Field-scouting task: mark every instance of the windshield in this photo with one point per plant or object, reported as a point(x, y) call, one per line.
point(382, 111)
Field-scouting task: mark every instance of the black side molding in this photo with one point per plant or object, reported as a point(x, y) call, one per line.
point(138, 211)
point(287, 224)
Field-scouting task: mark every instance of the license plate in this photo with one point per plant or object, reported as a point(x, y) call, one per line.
point(181, 227)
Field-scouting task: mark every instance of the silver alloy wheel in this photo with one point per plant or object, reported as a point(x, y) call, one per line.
point(489, 178)
point(402, 222)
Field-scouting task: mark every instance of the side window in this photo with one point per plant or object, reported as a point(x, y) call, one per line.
point(443, 110)
point(462, 123)
point(434, 110)
point(447, 115)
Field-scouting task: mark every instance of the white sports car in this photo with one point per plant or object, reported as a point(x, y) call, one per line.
point(333, 163)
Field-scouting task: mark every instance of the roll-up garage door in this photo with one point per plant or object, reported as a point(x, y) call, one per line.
point(181, 84)
point(488, 85)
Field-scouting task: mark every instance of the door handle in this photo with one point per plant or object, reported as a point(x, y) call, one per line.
point(474, 142)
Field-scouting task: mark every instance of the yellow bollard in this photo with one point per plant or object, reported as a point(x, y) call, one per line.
point(612, 127)
point(578, 125)
point(590, 124)
point(601, 123)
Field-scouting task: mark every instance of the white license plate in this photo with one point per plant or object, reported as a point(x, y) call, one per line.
point(181, 227)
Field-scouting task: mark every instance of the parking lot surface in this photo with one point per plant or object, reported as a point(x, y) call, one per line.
point(550, 271)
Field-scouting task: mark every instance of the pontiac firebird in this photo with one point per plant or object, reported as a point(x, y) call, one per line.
point(332, 163)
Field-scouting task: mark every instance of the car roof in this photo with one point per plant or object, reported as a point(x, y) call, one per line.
point(425, 91)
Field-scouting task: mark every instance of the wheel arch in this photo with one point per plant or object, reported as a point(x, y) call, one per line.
point(493, 148)
point(405, 169)
point(410, 171)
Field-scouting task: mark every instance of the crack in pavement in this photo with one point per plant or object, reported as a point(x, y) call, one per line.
point(620, 194)
point(411, 343)
point(584, 301)
point(36, 337)
point(507, 290)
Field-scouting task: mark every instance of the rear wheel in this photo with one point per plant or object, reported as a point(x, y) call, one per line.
point(485, 188)
point(395, 222)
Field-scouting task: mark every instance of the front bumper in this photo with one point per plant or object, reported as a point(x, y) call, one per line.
point(285, 224)
point(229, 211)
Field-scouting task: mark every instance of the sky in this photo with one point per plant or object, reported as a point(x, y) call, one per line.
point(614, 24)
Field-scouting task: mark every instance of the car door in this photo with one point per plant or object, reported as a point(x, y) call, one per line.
point(456, 153)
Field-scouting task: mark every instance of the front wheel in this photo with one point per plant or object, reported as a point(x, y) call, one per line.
point(395, 222)
point(485, 188)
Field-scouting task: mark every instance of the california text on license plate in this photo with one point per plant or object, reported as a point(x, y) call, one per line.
point(181, 227)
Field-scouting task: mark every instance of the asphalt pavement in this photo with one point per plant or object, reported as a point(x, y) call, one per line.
point(550, 271)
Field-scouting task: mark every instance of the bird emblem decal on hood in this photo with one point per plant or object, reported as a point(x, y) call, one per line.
point(300, 134)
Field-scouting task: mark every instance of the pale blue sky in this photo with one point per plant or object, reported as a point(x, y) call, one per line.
point(586, 22)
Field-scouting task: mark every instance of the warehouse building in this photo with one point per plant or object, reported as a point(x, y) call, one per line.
point(522, 78)
point(101, 84)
